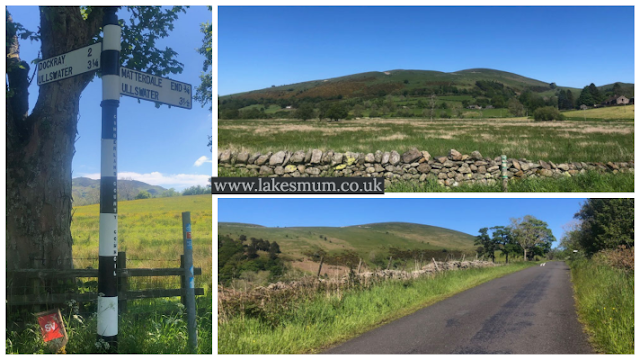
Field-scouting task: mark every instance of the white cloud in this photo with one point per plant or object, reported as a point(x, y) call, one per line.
point(177, 181)
point(201, 160)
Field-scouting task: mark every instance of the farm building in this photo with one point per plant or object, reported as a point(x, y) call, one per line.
point(583, 107)
point(474, 107)
point(616, 100)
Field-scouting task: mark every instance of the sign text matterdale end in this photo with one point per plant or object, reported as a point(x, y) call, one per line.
point(154, 88)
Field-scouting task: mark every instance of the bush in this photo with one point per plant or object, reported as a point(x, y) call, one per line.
point(547, 113)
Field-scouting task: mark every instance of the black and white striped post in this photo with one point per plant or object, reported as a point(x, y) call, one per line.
point(107, 279)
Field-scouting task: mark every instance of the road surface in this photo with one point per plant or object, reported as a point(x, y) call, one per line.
point(528, 312)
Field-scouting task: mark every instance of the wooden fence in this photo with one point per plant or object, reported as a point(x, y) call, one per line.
point(123, 273)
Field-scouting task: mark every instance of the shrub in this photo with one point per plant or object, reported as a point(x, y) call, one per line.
point(547, 113)
point(621, 258)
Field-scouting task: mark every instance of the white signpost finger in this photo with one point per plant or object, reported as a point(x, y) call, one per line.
point(67, 65)
point(154, 88)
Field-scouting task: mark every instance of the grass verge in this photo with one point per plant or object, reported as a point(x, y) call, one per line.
point(327, 319)
point(150, 334)
point(604, 297)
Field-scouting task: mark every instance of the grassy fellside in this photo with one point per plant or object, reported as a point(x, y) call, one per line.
point(557, 141)
point(328, 319)
point(605, 301)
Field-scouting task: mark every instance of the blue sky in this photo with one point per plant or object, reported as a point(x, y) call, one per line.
point(157, 146)
point(571, 46)
point(466, 215)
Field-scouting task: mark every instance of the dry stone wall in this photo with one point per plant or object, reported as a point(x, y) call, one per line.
point(451, 170)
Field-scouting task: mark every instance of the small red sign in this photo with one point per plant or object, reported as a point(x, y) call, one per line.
point(188, 234)
point(51, 327)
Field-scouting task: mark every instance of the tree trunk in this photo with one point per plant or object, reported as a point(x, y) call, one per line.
point(40, 148)
point(525, 254)
point(507, 258)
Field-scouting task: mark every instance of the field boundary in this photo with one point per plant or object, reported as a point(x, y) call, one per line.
point(414, 165)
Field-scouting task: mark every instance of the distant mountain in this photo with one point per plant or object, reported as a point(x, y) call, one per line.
point(294, 241)
point(86, 191)
point(384, 82)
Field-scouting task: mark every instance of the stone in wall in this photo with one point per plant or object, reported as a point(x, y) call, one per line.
point(413, 165)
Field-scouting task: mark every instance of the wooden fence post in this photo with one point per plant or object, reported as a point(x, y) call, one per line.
point(123, 283)
point(183, 283)
point(189, 290)
point(505, 178)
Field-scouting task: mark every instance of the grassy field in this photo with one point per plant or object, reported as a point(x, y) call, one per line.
point(150, 231)
point(589, 182)
point(605, 301)
point(313, 324)
point(365, 239)
point(607, 113)
point(517, 137)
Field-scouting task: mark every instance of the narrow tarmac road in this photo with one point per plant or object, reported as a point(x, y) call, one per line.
point(528, 312)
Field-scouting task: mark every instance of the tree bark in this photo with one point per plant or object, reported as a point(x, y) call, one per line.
point(40, 148)
point(525, 254)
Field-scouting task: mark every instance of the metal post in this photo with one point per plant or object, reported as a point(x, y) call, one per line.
point(504, 173)
point(108, 247)
point(123, 283)
point(189, 274)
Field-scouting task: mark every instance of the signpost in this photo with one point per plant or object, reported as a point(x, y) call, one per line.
point(154, 88)
point(116, 81)
point(52, 329)
point(67, 65)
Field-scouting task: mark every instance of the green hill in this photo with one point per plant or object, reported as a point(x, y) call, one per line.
point(405, 93)
point(294, 241)
point(86, 191)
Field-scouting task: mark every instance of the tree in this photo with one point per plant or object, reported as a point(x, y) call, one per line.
point(433, 101)
point(515, 107)
point(40, 144)
point(530, 232)
point(143, 194)
point(275, 247)
point(337, 111)
point(569, 102)
point(357, 110)
point(203, 92)
point(304, 112)
point(595, 93)
point(617, 89)
point(606, 224)
point(488, 245)
point(586, 98)
point(505, 242)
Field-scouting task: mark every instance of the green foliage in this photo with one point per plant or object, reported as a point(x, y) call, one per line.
point(515, 107)
point(533, 235)
point(605, 302)
point(203, 91)
point(197, 190)
point(547, 113)
point(304, 112)
point(489, 246)
point(337, 111)
point(143, 195)
point(605, 224)
point(235, 258)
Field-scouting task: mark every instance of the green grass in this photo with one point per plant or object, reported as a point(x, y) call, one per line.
point(365, 239)
point(605, 301)
point(151, 334)
point(588, 141)
point(150, 231)
point(607, 113)
point(589, 182)
point(324, 320)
